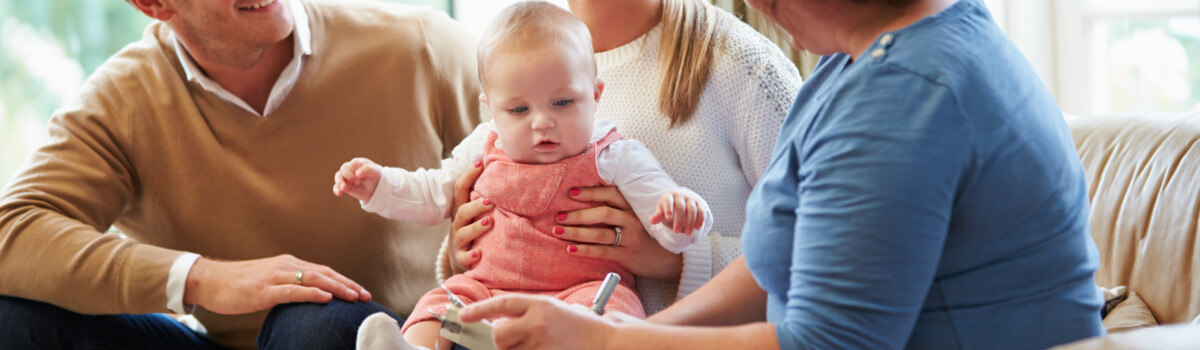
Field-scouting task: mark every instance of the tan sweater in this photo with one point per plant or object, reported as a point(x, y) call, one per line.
point(178, 169)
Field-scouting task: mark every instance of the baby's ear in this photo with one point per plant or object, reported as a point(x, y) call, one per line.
point(599, 88)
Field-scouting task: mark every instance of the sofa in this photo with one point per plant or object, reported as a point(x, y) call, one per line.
point(1143, 175)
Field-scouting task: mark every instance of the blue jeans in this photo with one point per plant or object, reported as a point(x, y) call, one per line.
point(27, 324)
point(316, 326)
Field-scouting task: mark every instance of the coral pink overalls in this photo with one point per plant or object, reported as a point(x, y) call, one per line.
point(521, 253)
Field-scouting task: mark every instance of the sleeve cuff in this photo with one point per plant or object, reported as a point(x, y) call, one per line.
point(697, 267)
point(176, 279)
point(377, 204)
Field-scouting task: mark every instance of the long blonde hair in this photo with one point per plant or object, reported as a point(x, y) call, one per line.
point(691, 41)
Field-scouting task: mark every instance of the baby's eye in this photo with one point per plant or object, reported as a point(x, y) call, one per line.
point(518, 110)
point(563, 103)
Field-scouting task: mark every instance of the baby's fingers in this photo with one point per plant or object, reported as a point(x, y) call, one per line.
point(367, 172)
point(657, 217)
point(668, 207)
point(339, 184)
point(679, 214)
point(691, 216)
point(347, 175)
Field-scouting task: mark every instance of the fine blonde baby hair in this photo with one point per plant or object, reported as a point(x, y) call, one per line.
point(529, 25)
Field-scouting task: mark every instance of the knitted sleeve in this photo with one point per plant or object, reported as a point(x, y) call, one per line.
point(758, 84)
point(762, 101)
point(54, 214)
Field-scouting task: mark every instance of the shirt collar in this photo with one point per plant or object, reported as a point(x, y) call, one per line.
point(303, 40)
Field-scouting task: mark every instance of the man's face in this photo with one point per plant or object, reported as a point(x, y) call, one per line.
point(231, 25)
point(543, 102)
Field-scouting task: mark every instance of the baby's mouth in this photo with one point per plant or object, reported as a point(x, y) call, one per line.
point(546, 145)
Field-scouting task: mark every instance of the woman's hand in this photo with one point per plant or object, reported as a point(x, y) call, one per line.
point(540, 322)
point(637, 251)
point(467, 225)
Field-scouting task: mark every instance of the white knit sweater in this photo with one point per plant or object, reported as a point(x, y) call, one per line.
point(720, 152)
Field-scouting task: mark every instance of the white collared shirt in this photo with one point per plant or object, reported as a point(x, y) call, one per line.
point(177, 275)
point(287, 78)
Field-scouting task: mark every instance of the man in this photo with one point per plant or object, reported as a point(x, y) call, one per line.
point(209, 143)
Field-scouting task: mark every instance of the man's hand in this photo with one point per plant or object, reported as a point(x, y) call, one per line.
point(358, 177)
point(239, 287)
point(679, 210)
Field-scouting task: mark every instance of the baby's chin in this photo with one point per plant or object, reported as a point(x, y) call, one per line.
point(536, 157)
point(541, 159)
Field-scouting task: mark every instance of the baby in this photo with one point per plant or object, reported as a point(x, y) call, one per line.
point(539, 82)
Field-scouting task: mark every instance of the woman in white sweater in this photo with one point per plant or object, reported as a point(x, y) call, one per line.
point(707, 95)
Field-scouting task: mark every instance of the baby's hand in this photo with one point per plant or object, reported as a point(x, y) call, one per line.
point(679, 210)
point(358, 177)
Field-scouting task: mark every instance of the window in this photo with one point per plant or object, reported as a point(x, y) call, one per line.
point(1110, 56)
point(1138, 55)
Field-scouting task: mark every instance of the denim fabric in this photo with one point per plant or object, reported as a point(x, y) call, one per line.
point(316, 326)
point(28, 324)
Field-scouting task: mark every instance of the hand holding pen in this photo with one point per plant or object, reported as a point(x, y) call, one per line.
point(538, 319)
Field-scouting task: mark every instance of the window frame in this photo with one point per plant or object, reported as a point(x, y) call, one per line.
point(1075, 22)
point(1063, 58)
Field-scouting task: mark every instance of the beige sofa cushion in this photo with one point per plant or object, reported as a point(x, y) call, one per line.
point(1143, 176)
point(1129, 315)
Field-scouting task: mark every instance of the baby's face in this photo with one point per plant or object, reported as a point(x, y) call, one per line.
point(542, 102)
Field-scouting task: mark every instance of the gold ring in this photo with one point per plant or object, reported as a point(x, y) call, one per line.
point(300, 277)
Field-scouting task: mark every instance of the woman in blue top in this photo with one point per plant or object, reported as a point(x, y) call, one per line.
point(924, 193)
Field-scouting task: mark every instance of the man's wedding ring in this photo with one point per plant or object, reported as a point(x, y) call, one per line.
point(300, 277)
point(617, 243)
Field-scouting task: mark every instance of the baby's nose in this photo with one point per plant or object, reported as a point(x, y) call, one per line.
point(542, 122)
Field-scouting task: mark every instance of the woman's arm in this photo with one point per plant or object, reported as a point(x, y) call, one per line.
point(859, 208)
point(758, 335)
point(730, 298)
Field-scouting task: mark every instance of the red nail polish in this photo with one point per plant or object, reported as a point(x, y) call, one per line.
point(562, 216)
point(487, 201)
point(574, 192)
point(474, 254)
point(485, 221)
point(572, 248)
point(558, 230)
point(478, 163)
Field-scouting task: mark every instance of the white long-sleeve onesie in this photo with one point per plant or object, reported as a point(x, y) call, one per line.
point(426, 195)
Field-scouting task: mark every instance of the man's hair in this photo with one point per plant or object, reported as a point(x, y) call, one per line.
point(530, 25)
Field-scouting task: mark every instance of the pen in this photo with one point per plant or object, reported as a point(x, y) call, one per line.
point(606, 290)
